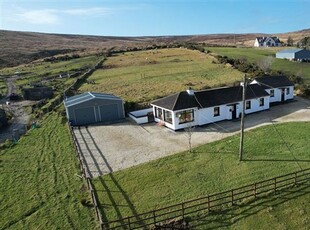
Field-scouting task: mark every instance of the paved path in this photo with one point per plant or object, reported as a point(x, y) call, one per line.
point(109, 148)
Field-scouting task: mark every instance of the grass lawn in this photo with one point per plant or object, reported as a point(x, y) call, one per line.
point(39, 187)
point(269, 151)
point(253, 55)
point(143, 76)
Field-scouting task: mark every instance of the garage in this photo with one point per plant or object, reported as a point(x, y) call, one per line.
point(91, 108)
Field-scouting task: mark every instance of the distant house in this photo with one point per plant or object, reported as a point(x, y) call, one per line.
point(90, 108)
point(280, 88)
point(267, 42)
point(294, 54)
point(197, 108)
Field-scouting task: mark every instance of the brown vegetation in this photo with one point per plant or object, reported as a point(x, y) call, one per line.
point(24, 47)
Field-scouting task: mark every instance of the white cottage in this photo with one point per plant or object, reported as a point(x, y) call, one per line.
point(280, 88)
point(197, 108)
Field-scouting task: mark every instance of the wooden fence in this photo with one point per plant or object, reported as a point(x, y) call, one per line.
point(86, 174)
point(217, 201)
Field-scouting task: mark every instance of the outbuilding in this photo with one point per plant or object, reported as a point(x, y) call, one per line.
point(294, 54)
point(90, 108)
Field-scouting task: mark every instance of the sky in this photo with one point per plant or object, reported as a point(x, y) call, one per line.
point(154, 17)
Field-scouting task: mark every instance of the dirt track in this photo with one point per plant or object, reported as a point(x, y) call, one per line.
point(16, 108)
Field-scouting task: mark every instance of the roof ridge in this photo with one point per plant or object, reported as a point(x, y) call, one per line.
point(91, 94)
point(197, 100)
point(175, 102)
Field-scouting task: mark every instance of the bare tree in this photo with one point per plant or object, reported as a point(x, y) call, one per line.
point(290, 41)
point(265, 64)
point(189, 133)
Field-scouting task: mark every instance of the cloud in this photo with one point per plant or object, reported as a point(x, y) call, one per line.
point(96, 11)
point(55, 16)
point(43, 17)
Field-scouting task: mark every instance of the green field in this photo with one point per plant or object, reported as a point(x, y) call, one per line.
point(210, 168)
point(40, 68)
point(253, 55)
point(35, 71)
point(143, 76)
point(39, 187)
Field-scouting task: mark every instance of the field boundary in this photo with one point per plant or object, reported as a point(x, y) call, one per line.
point(86, 176)
point(213, 202)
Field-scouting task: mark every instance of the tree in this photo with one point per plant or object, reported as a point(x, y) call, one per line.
point(265, 64)
point(290, 41)
point(304, 43)
point(189, 133)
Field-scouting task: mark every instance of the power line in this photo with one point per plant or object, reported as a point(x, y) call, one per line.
point(286, 144)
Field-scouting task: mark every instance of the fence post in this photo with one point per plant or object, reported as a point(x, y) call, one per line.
point(129, 222)
point(275, 185)
point(183, 211)
point(209, 206)
point(154, 218)
point(232, 197)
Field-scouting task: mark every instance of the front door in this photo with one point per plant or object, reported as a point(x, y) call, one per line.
point(234, 111)
point(150, 117)
point(282, 94)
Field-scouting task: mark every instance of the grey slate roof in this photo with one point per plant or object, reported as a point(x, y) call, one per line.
point(263, 39)
point(274, 81)
point(74, 100)
point(209, 98)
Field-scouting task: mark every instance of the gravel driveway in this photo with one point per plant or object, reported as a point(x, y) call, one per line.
point(109, 148)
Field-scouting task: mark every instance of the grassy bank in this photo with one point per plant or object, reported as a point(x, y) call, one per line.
point(143, 76)
point(254, 55)
point(269, 151)
point(39, 187)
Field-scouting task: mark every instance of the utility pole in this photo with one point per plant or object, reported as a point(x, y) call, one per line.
point(242, 118)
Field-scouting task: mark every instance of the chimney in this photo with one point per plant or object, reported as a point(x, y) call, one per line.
point(190, 91)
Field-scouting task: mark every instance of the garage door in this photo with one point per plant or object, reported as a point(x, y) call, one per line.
point(84, 116)
point(109, 112)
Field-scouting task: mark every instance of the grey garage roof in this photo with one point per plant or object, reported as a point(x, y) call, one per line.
point(71, 101)
point(290, 51)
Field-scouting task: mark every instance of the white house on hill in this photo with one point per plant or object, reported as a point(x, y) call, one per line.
point(197, 108)
point(267, 42)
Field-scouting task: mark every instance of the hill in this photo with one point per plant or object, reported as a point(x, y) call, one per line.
point(24, 47)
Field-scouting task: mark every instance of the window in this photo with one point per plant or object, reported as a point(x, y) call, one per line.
point(168, 116)
point(216, 111)
point(248, 105)
point(287, 91)
point(261, 102)
point(159, 113)
point(272, 93)
point(186, 116)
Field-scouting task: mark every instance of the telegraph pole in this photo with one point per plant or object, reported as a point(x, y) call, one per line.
point(242, 118)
